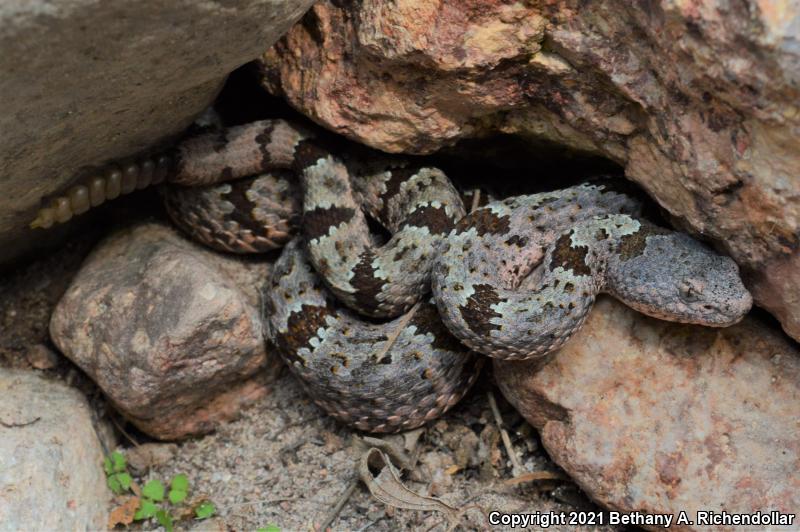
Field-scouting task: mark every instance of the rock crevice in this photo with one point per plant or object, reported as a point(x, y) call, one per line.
point(698, 102)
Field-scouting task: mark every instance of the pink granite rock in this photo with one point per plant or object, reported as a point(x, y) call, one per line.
point(697, 100)
point(658, 417)
point(171, 332)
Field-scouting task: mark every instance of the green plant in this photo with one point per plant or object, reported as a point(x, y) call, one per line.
point(269, 528)
point(152, 493)
point(155, 502)
point(179, 489)
point(117, 476)
point(205, 510)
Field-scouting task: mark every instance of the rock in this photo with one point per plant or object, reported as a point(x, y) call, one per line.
point(465, 445)
point(215, 524)
point(659, 417)
point(142, 457)
point(41, 357)
point(86, 82)
point(699, 103)
point(437, 466)
point(171, 332)
point(51, 462)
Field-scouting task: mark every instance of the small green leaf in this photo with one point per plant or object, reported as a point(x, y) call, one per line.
point(269, 528)
point(165, 520)
point(205, 510)
point(179, 489)
point(125, 480)
point(119, 461)
point(154, 489)
point(108, 467)
point(114, 484)
point(176, 496)
point(147, 510)
point(180, 483)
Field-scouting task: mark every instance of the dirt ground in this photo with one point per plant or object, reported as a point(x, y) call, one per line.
point(285, 463)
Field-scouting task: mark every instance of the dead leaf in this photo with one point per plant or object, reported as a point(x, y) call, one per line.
point(411, 438)
point(186, 510)
point(388, 489)
point(452, 470)
point(123, 514)
point(136, 489)
point(395, 452)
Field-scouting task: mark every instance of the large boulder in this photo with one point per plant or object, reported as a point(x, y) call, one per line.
point(51, 461)
point(657, 417)
point(86, 82)
point(699, 102)
point(170, 331)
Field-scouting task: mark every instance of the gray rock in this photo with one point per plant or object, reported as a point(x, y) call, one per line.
point(51, 461)
point(86, 82)
point(165, 330)
point(659, 417)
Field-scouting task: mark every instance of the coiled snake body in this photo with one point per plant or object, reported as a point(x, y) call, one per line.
point(513, 279)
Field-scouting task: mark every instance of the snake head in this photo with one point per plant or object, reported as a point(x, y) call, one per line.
point(674, 277)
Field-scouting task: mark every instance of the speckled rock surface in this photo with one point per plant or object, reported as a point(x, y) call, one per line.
point(698, 101)
point(171, 332)
point(85, 82)
point(658, 417)
point(51, 474)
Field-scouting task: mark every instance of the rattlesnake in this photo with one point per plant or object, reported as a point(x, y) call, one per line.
point(513, 279)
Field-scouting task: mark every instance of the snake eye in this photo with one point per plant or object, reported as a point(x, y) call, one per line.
point(690, 290)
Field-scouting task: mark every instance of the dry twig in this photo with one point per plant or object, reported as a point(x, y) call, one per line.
point(340, 502)
point(516, 467)
point(533, 477)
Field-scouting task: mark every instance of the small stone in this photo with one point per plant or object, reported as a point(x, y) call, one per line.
point(437, 464)
point(464, 443)
point(375, 514)
point(41, 357)
point(142, 457)
point(171, 332)
point(647, 415)
point(51, 462)
point(214, 524)
point(333, 442)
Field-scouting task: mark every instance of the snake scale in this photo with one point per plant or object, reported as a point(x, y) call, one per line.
point(384, 332)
